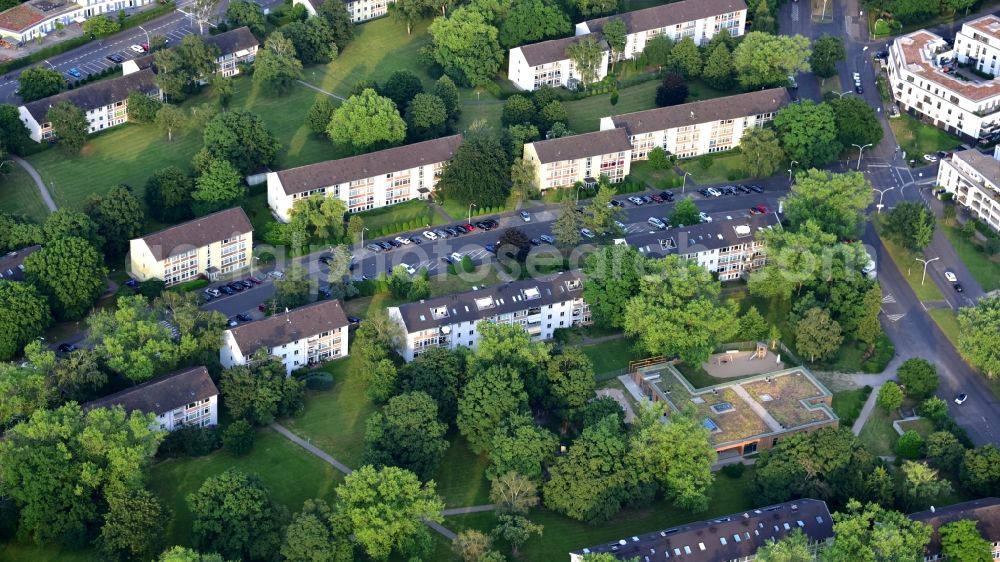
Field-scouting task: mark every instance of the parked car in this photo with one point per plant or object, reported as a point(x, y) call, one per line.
point(951, 277)
point(385, 245)
point(212, 293)
point(469, 227)
point(430, 235)
point(461, 229)
point(756, 189)
point(744, 189)
point(456, 256)
point(447, 259)
point(930, 158)
point(409, 268)
point(668, 195)
point(535, 241)
point(236, 286)
point(255, 280)
point(353, 321)
point(242, 317)
point(416, 240)
point(547, 239)
point(621, 226)
point(615, 203)
point(137, 49)
point(961, 398)
point(704, 217)
point(714, 192)
point(227, 289)
point(481, 225)
point(441, 233)
point(490, 248)
point(524, 216)
point(636, 200)
point(374, 247)
point(492, 223)
point(277, 274)
point(403, 241)
point(958, 288)
point(656, 222)
point(645, 199)
point(392, 243)
point(75, 72)
point(116, 58)
point(656, 198)
point(858, 88)
point(761, 208)
point(587, 233)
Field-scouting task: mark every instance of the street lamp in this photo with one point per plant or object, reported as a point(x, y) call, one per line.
point(881, 194)
point(790, 167)
point(684, 182)
point(148, 44)
point(578, 188)
point(860, 150)
point(925, 262)
point(471, 205)
point(842, 94)
point(363, 229)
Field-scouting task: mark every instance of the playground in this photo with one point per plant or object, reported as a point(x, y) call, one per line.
point(735, 364)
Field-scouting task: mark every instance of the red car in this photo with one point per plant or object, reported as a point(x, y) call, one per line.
point(761, 209)
point(469, 227)
point(262, 307)
point(656, 198)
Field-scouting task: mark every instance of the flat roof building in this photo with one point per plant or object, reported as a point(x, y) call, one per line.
point(974, 180)
point(185, 398)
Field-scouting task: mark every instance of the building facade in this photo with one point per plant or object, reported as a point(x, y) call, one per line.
point(236, 47)
point(104, 103)
point(305, 336)
point(186, 398)
point(540, 306)
point(585, 158)
point(215, 245)
point(546, 64)
point(365, 182)
point(359, 10)
point(700, 127)
point(973, 178)
point(38, 18)
point(927, 81)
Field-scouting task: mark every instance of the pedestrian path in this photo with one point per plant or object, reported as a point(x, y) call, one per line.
point(866, 411)
point(320, 90)
point(46, 197)
point(470, 509)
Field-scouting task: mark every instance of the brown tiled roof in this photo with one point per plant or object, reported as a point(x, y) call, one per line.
point(912, 47)
point(989, 25)
point(286, 327)
point(232, 41)
point(161, 395)
point(198, 232)
point(20, 17)
point(670, 14)
point(555, 50)
point(582, 146)
point(11, 263)
point(985, 512)
point(332, 172)
point(707, 111)
point(98, 94)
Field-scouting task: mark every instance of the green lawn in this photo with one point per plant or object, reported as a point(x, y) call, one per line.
point(986, 271)
point(723, 167)
point(643, 172)
point(19, 194)
point(878, 435)
point(922, 426)
point(917, 138)
point(585, 114)
point(461, 476)
point(610, 358)
point(847, 404)
point(912, 270)
point(292, 474)
point(404, 216)
point(459, 211)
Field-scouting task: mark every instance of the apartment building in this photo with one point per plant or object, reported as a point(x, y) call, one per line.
point(38, 18)
point(236, 47)
point(977, 44)
point(732, 249)
point(700, 127)
point(367, 181)
point(301, 337)
point(211, 246)
point(985, 512)
point(359, 10)
point(732, 538)
point(974, 180)
point(927, 81)
point(541, 306)
point(186, 398)
point(564, 161)
point(12, 263)
point(547, 64)
point(104, 103)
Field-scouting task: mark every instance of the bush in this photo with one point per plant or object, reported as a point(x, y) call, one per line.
point(190, 442)
point(734, 470)
point(880, 357)
point(910, 445)
point(238, 437)
point(151, 288)
point(658, 159)
point(319, 381)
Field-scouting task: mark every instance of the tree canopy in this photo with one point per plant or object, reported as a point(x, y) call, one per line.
point(871, 532)
point(765, 60)
point(979, 335)
point(836, 202)
point(260, 391)
point(277, 64)
point(235, 516)
point(24, 315)
point(367, 121)
point(808, 132)
point(466, 46)
point(407, 434)
point(480, 171)
point(70, 272)
point(240, 137)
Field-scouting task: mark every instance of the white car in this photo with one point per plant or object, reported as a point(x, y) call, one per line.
point(951, 277)
point(409, 268)
point(277, 274)
point(525, 216)
point(704, 217)
point(403, 241)
point(430, 235)
point(930, 157)
point(869, 269)
point(621, 225)
point(137, 49)
point(961, 398)
point(714, 192)
point(456, 256)
point(635, 200)
point(587, 232)
point(656, 222)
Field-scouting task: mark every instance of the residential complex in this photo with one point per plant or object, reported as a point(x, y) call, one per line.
point(359, 10)
point(367, 181)
point(734, 537)
point(699, 127)
point(564, 161)
point(985, 512)
point(747, 415)
point(12, 263)
point(104, 103)
point(211, 246)
point(38, 18)
point(547, 64)
point(733, 249)
point(236, 47)
point(186, 398)
point(301, 337)
point(974, 180)
point(541, 306)
point(931, 80)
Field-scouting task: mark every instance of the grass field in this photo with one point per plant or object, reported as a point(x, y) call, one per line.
point(847, 404)
point(19, 194)
point(877, 435)
point(461, 476)
point(922, 426)
point(611, 357)
point(947, 320)
point(653, 178)
point(986, 271)
point(292, 474)
point(724, 167)
point(395, 218)
point(585, 114)
point(917, 139)
point(912, 270)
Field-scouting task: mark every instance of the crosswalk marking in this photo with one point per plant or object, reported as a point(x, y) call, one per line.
point(894, 317)
point(888, 298)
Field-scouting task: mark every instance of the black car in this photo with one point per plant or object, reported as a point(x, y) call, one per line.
point(416, 240)
point(616, 203)
point(67, 348)
point(448, 260)
point(385, 245)
point(461, 229)
point(744, 189)
point(958, 287)
point(393, 243)
point(481, 225)
point(704, 192)
point(757, 189)
point(859, 89)
point(246, 284)
point(242, 317)
point(227, 289)
point(353, 321)
point(491, 248)
point(325, 260)
point(236, 286)
point(668, 195)
point(451, 231)
point(116, 58)
point(535, 242)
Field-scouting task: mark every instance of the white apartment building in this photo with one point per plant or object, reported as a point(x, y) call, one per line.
point(978, 44)
point(698, 19)
point(926, 80)
point(359, 10)
point(301, 337)
point(236, 47)
point(541, 306)
point(210, 246)
point(700, 127)
point(733, 249)
point(564, 161)
point(546, 63)
point(186, 398)
point(365, 182)
point(974, 179)
point(38, 18)
point(104, 103)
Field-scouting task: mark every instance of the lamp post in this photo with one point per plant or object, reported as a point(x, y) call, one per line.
point(684, 182)
point(578, 188)
point(842, 94)
point(471, 205)
point(881, 194)
point(148, 44)
point(790, 167)
point(860, 150)
point(363, 229)
point(925, 262)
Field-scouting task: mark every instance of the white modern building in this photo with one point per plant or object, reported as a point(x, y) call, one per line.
point(732, 249)
point(547, 64)
point(562, 162)
point(301, 337)
point(236, 47)
point(210, 246)
point(700, 127)
point(38, 18)
point(359, 10)
point(186, 398)
point(104, 103)
point(541, 306)
point(367, 181)
point(928, 79)
point(974, 180)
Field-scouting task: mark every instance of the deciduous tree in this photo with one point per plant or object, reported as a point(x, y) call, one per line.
point(312, 39)
point(520, 446)
point(445, 89)
point(401, 87)
point(69, 125)
point(616, 35)
point(944, 451)
point(367, 121)
point(856, 122)
point(490, 396)
point(322, 216)
point(909, 224)
point(530, 21)
point(438, 372)
point(407, 434)
point(979, 335)
point(470, 545)
point(260, 391)
point(131, 340)
point(828, 50)
point(586, 55)
point(872, 533)
point(611, 280)
point(119, 218)
point(38, 82)
point(792, 548)
point(921, 485)
point(980, 471)
point(14, 134)
point(169, 194)
point(66, 222)
point(235, 516)
point(480, 171)
point(685, 212)
point(718, 72)
point(277, 64)
point(317, 534)
point(426, 117)
point(808, 132)
point(919, 377)
point(515, 530)
point(570, 381)
point(335, 14)
point(240, 137)
point(513, 493)
point(961, 541)
point(685, 58)
point(142, 108)
point(518, 110)
point(218, 187)
point(242, 13)
point(135, 525)
point(466, 46)
point(760, 152)
point(320, 114)
point(836, 202)
point(70, 272)
point(817, 335)
point(672, 90)
point(594, 8)
point(171, 119)
point(765, 60)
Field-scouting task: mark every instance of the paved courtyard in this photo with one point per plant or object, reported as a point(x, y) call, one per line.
point(742, 364)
